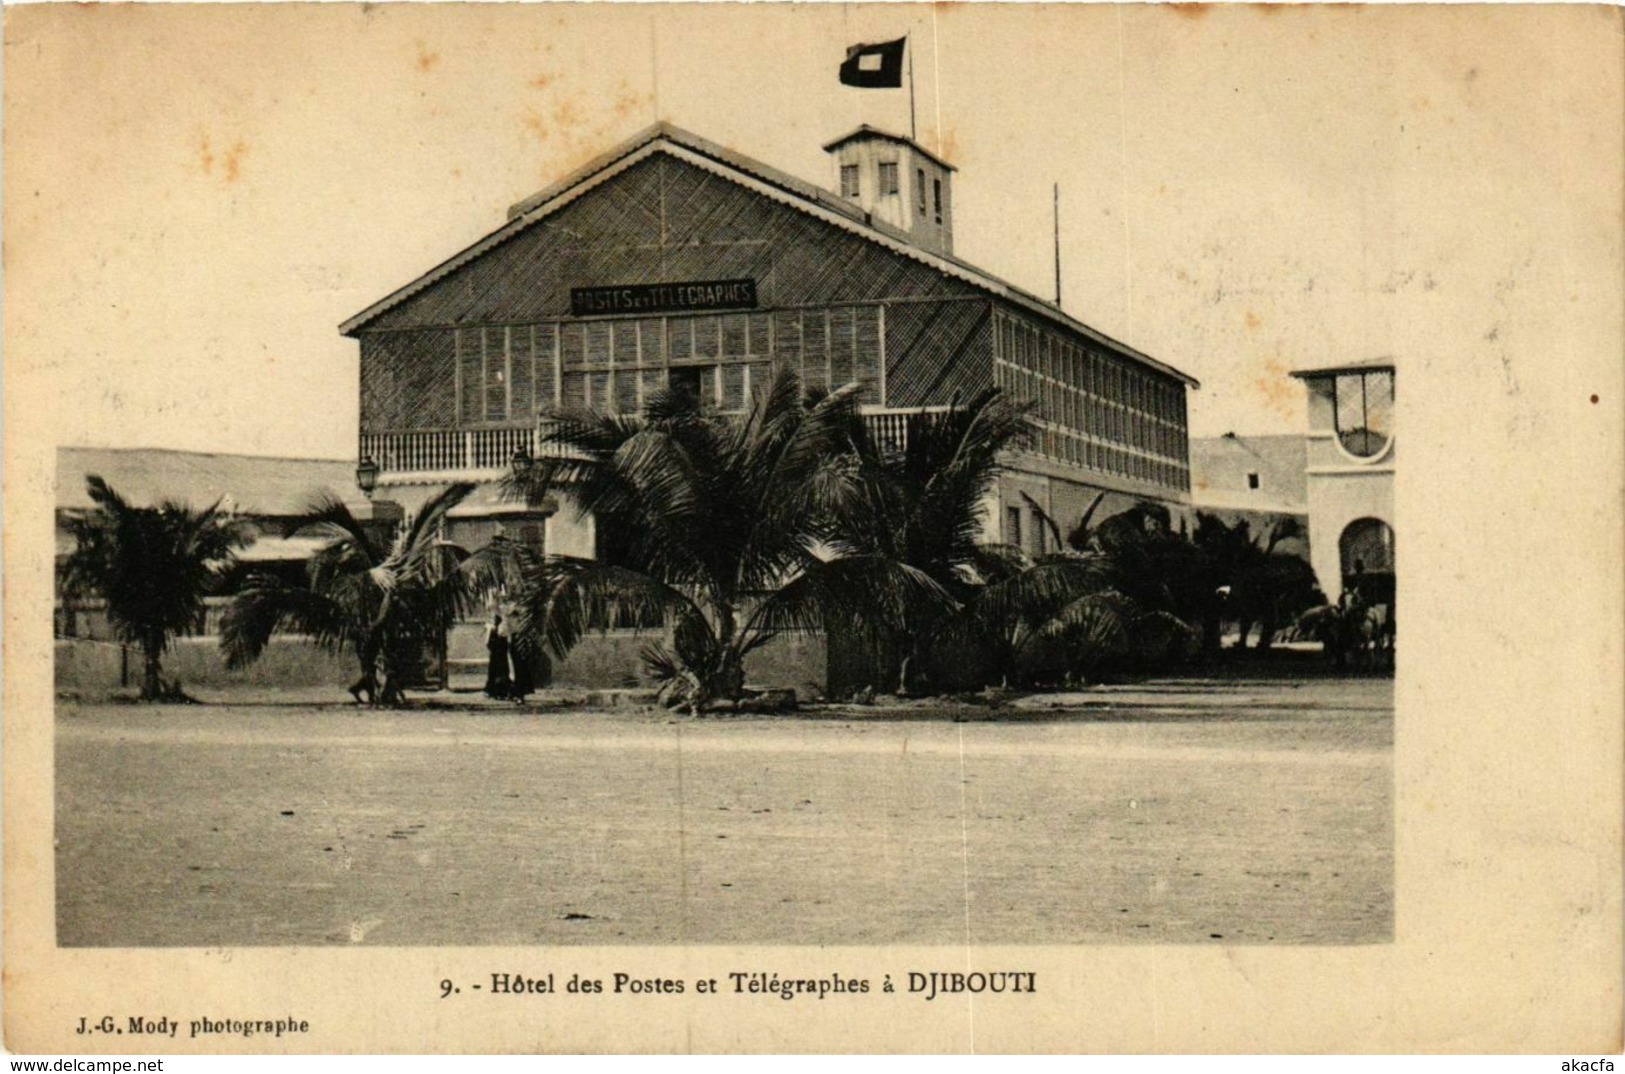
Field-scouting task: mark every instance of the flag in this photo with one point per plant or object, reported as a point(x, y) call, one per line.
point(874, 66)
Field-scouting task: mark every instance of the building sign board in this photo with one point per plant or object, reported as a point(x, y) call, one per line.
point(663, 297)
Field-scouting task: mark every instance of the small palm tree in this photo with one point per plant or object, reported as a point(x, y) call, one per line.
point(710, 524)
point(922, 504)
point(153, 566)
point(386, 597)
point(1019, 624)
point(1260, 584)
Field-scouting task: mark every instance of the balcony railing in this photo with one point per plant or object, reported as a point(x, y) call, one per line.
point(419, 451)
point(451, 450)
point(463, 450)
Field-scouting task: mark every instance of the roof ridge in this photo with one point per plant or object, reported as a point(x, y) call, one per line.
point(524, 213)
point(863, 130)
point(201, 454)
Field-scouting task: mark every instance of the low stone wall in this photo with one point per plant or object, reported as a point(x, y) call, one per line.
point(798, 662)
point(95, 665)
point(599, 662)
point(613, 660)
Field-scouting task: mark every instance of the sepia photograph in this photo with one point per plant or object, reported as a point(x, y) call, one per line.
point(618, 513)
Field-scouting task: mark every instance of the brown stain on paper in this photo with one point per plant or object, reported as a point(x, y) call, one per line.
point(1274, 386)
point(566, 114)
point(425, 60)
point(947, 145)
point(534, 125)
point(230, 163)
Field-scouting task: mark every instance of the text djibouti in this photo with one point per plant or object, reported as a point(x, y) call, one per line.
point(936, 984)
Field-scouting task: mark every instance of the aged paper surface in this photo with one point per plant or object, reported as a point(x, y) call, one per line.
point(166, 168)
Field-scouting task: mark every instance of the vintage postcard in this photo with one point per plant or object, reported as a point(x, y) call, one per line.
point(813, 528)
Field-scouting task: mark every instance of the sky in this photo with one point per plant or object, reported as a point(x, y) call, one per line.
point(195, 197)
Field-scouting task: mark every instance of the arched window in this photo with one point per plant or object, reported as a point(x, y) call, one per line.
point(1365, 412)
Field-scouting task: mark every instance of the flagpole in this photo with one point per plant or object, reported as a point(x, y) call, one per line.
point(908, 43)
point(1057, 245)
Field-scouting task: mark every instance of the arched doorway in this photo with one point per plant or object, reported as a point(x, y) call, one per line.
point(1366, 549)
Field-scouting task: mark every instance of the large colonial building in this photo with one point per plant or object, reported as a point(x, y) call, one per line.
point(671, 260)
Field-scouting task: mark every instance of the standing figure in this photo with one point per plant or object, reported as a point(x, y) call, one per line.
point(524, 679)
point(497, 683)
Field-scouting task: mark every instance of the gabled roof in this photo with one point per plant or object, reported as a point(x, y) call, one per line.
point(674, 135)
point(247, 484)
point(866, 131)
point(750, 173)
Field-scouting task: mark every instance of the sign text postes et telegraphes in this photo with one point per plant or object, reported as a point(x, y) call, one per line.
point(663, 297)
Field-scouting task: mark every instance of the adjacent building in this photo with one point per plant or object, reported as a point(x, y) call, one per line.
point(262, 492)
point(673, 261)
point(1259, 480)
point(1350, 478)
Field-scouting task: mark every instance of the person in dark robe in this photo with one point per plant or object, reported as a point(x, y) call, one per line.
point(497, 683)
point(524, 678)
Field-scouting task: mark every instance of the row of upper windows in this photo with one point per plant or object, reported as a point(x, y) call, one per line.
point(1093, 416)
point(887, 183)
point(1073, 368)
point(509, 373)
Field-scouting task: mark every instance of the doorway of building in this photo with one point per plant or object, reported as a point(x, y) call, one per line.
point(1366, 548)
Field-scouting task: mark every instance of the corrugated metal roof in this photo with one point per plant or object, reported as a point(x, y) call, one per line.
point(790, 190)
point(247, 484)
point(704, 146)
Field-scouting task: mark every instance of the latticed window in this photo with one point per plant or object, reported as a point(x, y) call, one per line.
point(888, 177)
point(1364, 405)
point(849, 180)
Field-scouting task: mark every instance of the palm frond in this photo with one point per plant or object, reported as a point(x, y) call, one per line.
point(874, 589)
point(565, 597)
point(266, 606)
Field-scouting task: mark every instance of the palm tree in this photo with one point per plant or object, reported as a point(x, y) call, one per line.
point(712, 525)
point(921, 503)
point(386, 597)
point(1260, 584)
point(153, 566)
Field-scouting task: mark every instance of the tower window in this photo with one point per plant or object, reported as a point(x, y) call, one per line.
point(1252, 481)
point(849, 180)
point(1363, 408)
point(936, 193)
point(919, 188)
point(888, 177)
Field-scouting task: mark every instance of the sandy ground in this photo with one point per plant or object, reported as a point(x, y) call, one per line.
point(1235, 813)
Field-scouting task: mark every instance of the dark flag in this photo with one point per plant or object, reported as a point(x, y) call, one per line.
point(874, 66)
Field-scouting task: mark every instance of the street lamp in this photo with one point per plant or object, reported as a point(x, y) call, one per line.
point(366, 475)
